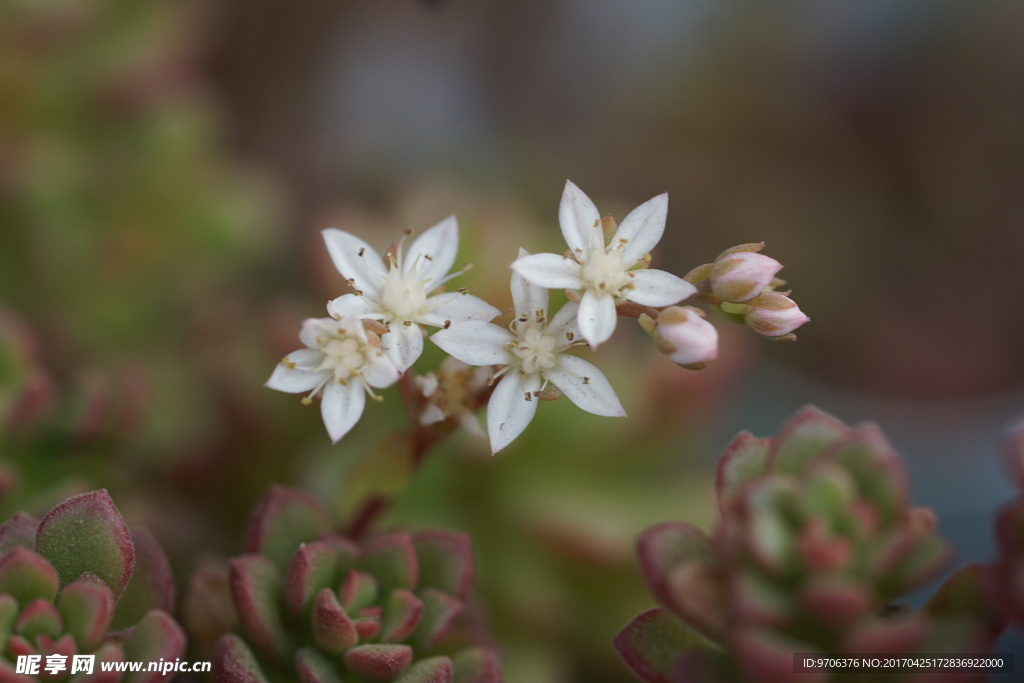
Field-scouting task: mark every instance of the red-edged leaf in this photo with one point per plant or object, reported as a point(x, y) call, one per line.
point(744, 459)
point(965, 594)
point(282, 520)
point(312, 568)
point(86, 533)
point(433, 670)
point(39, 617)
point(392, 561)
point(653, 642)
point(383, 662)
point(887, 636)
point(27, 576)
point(401, 616)
point(87, 606)
point(768, 656)
point(234, 662)
point(665, 546)
point(445, 560)
point(157, 637)
point(834, 601)
point(152, 583)
point(803, 436)
point(477, 665)
point(358, 590)
point(333, 630)
point(440, 611)
point(255, 589)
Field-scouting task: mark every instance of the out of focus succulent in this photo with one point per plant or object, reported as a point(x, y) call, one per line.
point(1006, 582)
point(816, 539)
point(69, 579)
point(312, 605)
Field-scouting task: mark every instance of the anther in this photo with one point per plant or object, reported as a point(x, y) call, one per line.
point(362, 250)
point(447, 324)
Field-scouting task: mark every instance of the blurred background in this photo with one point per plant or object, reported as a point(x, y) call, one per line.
point(165, 169)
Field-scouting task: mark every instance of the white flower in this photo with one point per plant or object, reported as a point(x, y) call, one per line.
point(606, 275)
point(342, 360)
point(451, 392)
point(403, 294)
point(533, 351)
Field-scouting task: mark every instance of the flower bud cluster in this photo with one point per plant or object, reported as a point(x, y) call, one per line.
point(741, 285)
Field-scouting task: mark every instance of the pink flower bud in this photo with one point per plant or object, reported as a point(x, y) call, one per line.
point(743, 275)
point(685, 336)
point(774, 315)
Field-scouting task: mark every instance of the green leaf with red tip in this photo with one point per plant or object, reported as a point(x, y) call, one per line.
point(313, 667)
point(887, 635)
point(652, 643)
point(433, 670)
point(152, 583)
point(332, 628)
point(392, 561)
point(440, 611)
point(18, 531)
point(208, 611)
point(255, 590)
point(282, 520)
point(379, 662)
point(27, 576)
point(909, 560)
point(358, 590)
point(665, 546)
point(744, 459)
point(401, 616)
point(804, 436)
point(834, 601)
point(445, 561)
point(234, 662)
point(157, 636)
point(86, 533)
point(39, 617)
point(311, 569)
point(87, 606)
point(477, 665)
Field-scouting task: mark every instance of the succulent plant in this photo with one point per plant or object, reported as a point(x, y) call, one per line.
point(816, 539)
point(312, 605)
point(69, 579)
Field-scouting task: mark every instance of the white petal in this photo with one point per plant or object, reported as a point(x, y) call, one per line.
point(355, 260)
point(381, 372)
point(580, 221)
point(457, 308)
point(342, 407)
point(565, 321)
point(300, 378)
point(403, 344)
point(432, 415)
point(511, 408)
point(548, 270)
point(476, 343)
point(642, 228)
point(597, 317)
point(355, 305)
point(586, 386)
point(433, 253)
point(316, 331)
point(658, 288)
point(471, 423)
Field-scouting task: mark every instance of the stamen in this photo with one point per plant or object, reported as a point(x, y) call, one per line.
point(362, 250)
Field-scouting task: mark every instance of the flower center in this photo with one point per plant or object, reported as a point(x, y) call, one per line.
point(605, 271)
point(535, 350)
point(347, 356)
point(402, 298)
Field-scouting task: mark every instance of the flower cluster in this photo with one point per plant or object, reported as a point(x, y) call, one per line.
point(375, 333)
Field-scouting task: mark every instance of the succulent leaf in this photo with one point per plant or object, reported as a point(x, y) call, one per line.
point(281, 521)
point(477, 665)
point(440, 611)
point(311, 569)
point(152, 583)
point(664, 547)
point(86, 533)
point(255, 585)
point(18, 531)
point(445, 561)
point(87, 606)
point(392, 561)
point(313, 667)
point(333, 630)
point(401, 616)
point(433, 670)
point(156, 637)
point(652, 643)
point(378, 662)
point(802, 437)
point(234, 662)
point(744, 459)
point(27, 576)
